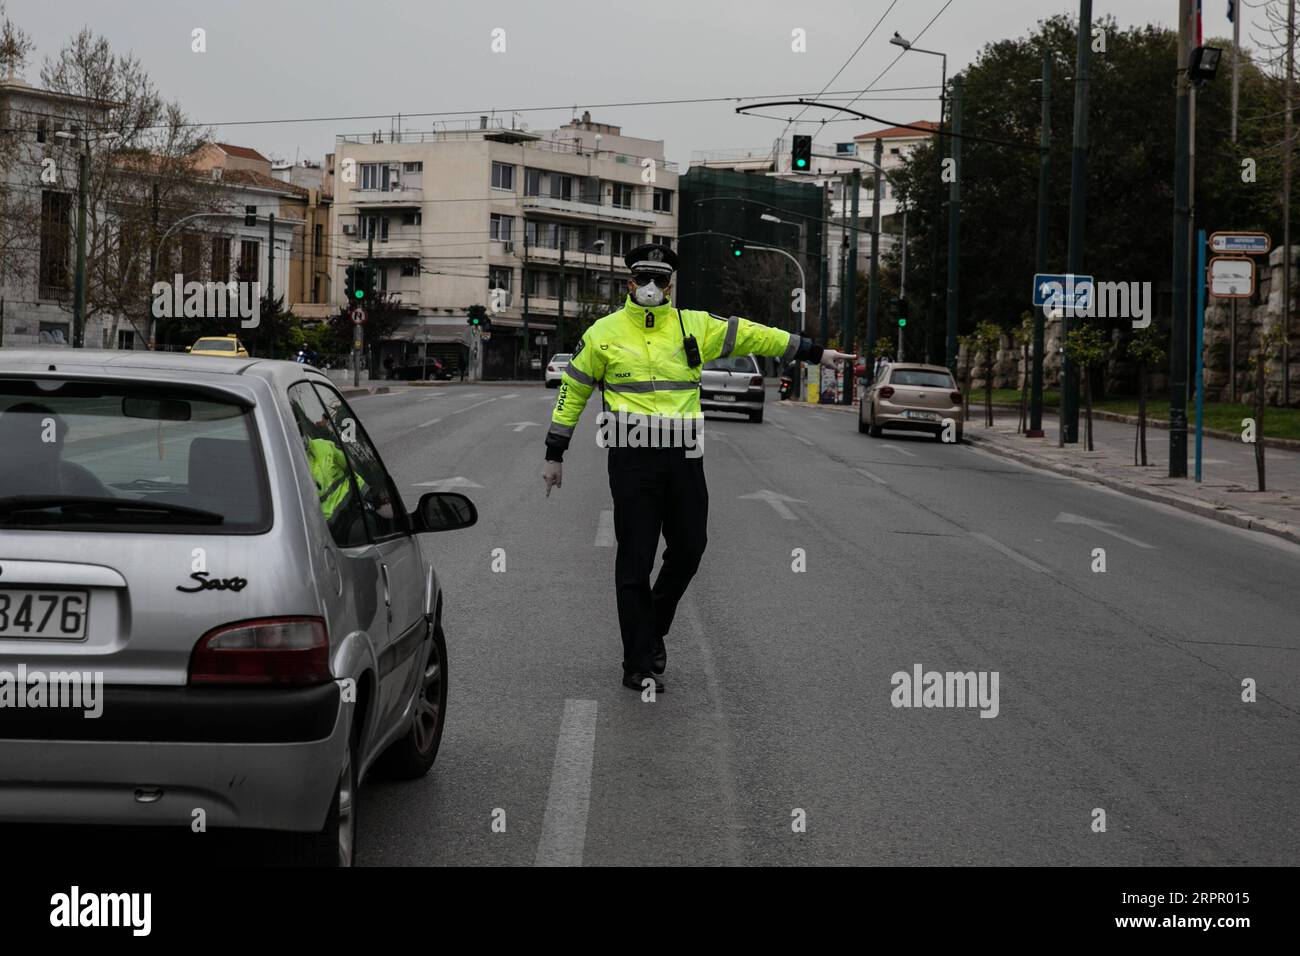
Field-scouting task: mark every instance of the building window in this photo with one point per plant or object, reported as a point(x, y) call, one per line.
point(249, 260)
point(315, 288)
point(126, 339)
point(663, 240)
point(622, 196)
point(380, 176)
point(412, 167)
point(376, 226)
point(219, 265)
point(623, 242)
point(846, 149)
point(503, 176)
point(317, 239)
point(412, 218)
point(501, 228)
point(410, 269)
point(561, 186)
point(499, 278)
point(42, 128)
point(56, 240)
point(191, 255)
point(532, 182)
point(893, 151)
point(663, 200)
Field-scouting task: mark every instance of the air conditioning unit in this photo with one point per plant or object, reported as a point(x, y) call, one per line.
point(349, 229)
point(508, 248)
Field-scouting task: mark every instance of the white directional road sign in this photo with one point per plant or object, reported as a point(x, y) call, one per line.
point(1062, 291)
point(358, 316)
point(1232, 278)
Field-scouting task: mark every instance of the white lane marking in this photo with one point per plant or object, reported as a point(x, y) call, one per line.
point(433, 421)
point(1105, 527)
point(511, 395)
point(605, 530)
point(999, 546)
point(779, 425)
point(866, 474)
point(449, 394)
point(475, 405)
point(777, 501)
point(520, 426)
point(564, 826)
point(901, 451)
point(802, 439)
point(433, 396)
point(445, 483)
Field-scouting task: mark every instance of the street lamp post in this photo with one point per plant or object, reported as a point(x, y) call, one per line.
point(79, 278)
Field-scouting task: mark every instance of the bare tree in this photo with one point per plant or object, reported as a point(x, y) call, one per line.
point(141, 172)
point(17, 210)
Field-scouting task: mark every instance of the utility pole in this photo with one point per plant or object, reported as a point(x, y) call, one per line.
point(825, 290)
point(1178, 329)
point(528, 342)
point(79, 282)
point(851, 293)
point(1287, 146)
point(559, 320)
point(954, 226)
point(873, 291)
point(154, 252)
point(1069, 410)
point(270, 262)
point(1040, 252)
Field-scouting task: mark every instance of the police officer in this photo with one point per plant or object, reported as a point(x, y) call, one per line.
point(646, 358)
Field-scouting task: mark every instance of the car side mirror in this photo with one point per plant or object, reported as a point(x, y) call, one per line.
point(443, 511)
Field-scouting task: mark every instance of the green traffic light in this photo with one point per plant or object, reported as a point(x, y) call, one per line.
point(902, 322)
point(360, 293)
point(801, 163)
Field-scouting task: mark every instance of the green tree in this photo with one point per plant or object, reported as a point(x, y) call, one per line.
point(985, 339)
point(1086, 348)
point(1144, 348)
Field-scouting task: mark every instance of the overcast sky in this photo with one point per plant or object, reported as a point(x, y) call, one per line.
point(281, 60)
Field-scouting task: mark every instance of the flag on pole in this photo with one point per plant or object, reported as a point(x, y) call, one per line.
point(1199, 38)
point(1232, 11)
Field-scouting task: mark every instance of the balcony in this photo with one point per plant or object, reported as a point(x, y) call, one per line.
point(384, 248)
point(388, 199)
point(589, 210)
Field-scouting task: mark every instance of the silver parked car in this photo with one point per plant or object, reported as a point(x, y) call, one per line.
point(733, 384)
point(220, 545)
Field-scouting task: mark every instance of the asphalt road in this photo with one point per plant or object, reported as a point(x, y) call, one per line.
point(1118, 691)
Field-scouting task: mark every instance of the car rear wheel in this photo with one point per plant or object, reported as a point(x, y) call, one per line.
point(335, 843)
point(756, 416)
point(874, 430)
point(412, 755)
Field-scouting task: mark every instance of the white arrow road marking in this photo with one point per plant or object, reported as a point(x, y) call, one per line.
point(1105, 527)
point(866, 474)
point(475, 405)
point(901, 451)
point(605, 530)
point(777, 501)
point(432, 421)
point(1014, 556)
point(520, 426)
point(442, 484)
point(564, 825)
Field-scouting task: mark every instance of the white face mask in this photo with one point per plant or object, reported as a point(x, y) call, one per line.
point(649, 295)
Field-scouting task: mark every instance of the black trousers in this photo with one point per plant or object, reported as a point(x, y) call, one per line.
point(656, 490)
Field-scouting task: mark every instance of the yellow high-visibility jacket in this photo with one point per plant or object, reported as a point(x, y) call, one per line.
point(329, 470)
point(637, 357)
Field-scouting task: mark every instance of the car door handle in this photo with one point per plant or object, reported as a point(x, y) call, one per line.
point(388, 594)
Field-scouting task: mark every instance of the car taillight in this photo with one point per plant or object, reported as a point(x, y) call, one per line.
point(887, 392)
point(756, 380)
point(955, 397)
point(550, 368)
point(271, 651)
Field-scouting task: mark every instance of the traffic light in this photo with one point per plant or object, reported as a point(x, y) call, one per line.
point(250, 215)
point(801, 159)
point(477, 317)
point(737, 248)
point(350, 284)
point(366, 289)
point(902, 312)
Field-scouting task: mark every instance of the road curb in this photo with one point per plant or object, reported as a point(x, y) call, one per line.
point(351, 392)
point(1206, 509)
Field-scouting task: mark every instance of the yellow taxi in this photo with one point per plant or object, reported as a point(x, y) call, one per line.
point(226, 346)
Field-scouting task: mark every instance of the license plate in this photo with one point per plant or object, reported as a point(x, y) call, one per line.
point(923, 416)
point(724, 398)
point(43, 615)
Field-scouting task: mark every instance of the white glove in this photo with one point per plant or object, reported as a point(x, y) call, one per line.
point(830, 356)
point(552, 472)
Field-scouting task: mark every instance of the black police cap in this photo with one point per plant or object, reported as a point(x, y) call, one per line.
point(651, 257)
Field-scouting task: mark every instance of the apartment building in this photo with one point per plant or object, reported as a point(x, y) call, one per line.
point(532, 225)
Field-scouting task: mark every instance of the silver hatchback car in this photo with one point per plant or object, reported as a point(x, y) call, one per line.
point(212, 603)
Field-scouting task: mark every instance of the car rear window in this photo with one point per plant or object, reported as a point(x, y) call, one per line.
point(920, 378)
point(129, 457)
point(734, 363)
point(562, 357)
point(216, 345)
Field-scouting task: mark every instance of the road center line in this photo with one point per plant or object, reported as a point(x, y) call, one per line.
point(605, 530)
point(802, 439)
point(475, 405)
point(564, 826)
point(428, 423)
point(901, 451)
point(866, 474)
point(999, 546)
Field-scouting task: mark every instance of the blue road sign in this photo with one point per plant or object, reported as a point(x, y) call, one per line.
point(1241, 243)
point(1063, 291)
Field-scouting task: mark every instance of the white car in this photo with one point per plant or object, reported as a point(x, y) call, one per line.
point(555, 368)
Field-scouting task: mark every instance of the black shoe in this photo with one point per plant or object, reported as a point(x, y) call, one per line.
point(637, 682)
point(659, 663)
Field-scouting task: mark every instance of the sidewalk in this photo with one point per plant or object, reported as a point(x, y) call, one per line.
point(1226, 492)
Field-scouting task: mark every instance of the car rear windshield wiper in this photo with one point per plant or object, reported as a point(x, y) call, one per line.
point(76, 506)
